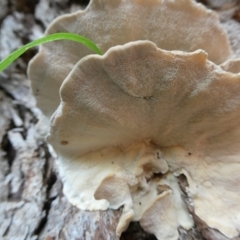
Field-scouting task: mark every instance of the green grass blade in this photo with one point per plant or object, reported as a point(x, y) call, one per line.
point(53, 37)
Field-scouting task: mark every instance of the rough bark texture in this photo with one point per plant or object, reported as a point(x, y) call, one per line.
point(32, 205)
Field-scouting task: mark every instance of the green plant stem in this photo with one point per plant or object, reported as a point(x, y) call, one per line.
point(53, 37)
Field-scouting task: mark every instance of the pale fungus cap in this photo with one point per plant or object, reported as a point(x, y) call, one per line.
point(131, 121)
point(232, 65)
point(139, 111)
point(171, 24)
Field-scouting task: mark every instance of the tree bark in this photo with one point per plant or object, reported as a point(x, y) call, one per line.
point(32, 205)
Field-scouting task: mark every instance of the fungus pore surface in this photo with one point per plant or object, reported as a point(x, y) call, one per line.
point(156, 105)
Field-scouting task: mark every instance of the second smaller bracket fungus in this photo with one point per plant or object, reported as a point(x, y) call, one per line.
point(132, 119)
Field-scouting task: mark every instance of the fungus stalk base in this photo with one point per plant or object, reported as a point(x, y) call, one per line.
point(136, 177)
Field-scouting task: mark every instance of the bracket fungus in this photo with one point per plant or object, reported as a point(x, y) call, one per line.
point(156, 105)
